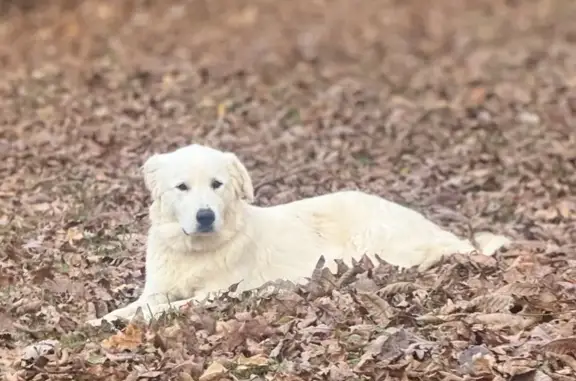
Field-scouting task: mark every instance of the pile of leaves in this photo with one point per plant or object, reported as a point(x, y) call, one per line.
point(475, 316)
point(463, 111)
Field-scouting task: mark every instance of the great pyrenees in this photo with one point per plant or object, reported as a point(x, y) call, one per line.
point(206, 236)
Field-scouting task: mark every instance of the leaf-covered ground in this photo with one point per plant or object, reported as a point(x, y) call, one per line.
point(464, 111)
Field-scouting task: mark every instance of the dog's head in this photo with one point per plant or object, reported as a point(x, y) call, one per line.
point(198, 187)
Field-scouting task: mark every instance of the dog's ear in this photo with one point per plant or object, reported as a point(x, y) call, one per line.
point(150, 170)
point(241, 178)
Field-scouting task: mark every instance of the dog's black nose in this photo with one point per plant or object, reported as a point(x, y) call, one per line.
point(205, 217)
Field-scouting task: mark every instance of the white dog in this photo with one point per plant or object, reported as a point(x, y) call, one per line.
point(205, 236)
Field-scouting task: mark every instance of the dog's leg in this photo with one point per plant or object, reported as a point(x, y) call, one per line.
point(120, 313)
point(146, 301)
point(159, 309)
point(151, 308)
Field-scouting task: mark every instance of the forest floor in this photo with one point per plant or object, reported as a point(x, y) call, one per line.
point(464, 111)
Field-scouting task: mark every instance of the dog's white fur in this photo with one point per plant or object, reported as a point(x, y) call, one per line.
point(253, 245)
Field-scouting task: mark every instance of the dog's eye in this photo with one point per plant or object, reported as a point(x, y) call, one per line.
point(182, 187)
point(216, 184)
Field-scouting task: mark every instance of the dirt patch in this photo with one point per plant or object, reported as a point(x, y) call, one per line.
point(464, 112)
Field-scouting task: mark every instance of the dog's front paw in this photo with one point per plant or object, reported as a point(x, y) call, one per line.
point(98, 322)
point(111, 318)
point(95, 322)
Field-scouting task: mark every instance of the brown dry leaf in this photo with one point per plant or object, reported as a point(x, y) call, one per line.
point(533, 375)
point(74, 234)
point(150, 374)
point(378, 308)
point(515, 366)
point(372, 350)
point(546, 299)
point(566, 359)
point(318, 270)
point(221, 110)
point(476, 96)
point(492, 303)
point(547, 214)
point(520, 289)
point(567, 209)
point(477, 360)
point(288, 377)
point(255, 361)
point(398, 288)
point(497, 321)
point(41, 274)
point(246, 16)
point(347, 276)
point(128, 339)
point(183, 376)
point(322, 279)
point(561, 346)
point(363, 284)
point(374, 347)
point(33, 352)
point(12, 377)
point(214, 372)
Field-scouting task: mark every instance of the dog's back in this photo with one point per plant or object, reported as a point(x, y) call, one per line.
point(352, 223)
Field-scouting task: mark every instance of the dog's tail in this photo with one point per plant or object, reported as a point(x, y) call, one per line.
point(489, 243)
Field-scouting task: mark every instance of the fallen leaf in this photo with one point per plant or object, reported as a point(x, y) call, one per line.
point(561, 346)
point(253, 361)
point(128, 339)
point(213, 372)
point(32, 352)
point(492, 303)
